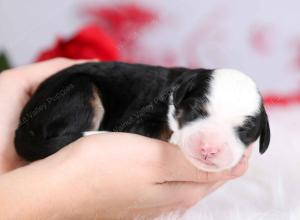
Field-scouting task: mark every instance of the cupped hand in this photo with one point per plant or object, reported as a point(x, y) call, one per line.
point(109, 176)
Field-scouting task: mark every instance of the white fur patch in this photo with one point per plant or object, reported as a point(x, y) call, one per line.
point(232, 94)
point(88, 133)
point(172, 122)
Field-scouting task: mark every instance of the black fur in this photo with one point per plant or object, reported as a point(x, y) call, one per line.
point(254, 127)
point(264, 140)
point(135, 98)
point(190, 96)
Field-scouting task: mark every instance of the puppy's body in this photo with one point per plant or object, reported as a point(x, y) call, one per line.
point(171, 104)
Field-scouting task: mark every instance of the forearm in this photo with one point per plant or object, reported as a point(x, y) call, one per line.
point(58, 187)
point(35, 192)
point(116, 180)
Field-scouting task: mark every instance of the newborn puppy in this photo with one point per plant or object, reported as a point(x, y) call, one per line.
point(212, 115)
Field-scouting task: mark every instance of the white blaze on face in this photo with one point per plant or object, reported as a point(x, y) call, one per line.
point(232, 96)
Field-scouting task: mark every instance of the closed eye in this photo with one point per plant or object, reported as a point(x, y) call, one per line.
point(249, 124)
point(197, 107)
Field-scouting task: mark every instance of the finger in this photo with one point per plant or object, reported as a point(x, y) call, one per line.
point(175, 167)
point(30, 76)
point(235, 172)
point(241, 168)
point(48, 67)
point(36, 73)
point(248, 152)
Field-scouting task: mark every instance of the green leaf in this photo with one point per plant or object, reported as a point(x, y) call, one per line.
point(4, 63)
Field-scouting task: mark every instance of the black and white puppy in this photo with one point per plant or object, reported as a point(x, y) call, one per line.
point(212, 115)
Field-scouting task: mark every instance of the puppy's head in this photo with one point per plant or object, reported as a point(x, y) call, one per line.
point(215, 115)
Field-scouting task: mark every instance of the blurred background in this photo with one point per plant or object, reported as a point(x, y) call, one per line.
point(258, 37)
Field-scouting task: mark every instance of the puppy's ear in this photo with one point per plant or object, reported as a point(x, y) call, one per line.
point(183, 86)
point(264, 140)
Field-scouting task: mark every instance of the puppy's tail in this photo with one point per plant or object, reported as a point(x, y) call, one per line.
point(63, 107)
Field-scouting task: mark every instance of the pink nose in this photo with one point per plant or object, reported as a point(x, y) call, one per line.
point(209, 152)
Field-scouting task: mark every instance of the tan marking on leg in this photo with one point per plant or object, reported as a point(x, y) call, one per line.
point(97, 108)
point(165, 134)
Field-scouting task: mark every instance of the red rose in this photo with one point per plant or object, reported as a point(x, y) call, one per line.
point(126, 23)
point(91, 42)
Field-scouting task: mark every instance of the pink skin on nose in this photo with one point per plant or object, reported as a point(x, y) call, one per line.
point(208, 152)
point(209, 149)
point(204, 150)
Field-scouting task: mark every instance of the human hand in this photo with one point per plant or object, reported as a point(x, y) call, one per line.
point(16, 87)
point(110, 176)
